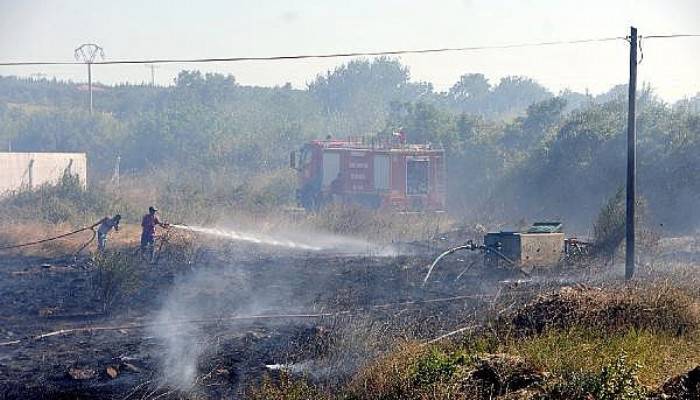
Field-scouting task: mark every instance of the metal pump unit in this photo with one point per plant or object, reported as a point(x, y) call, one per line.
point(543, 245)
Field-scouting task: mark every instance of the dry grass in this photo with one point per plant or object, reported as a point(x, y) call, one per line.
point(28, 231)
point(371, 224)
point(577, 343)
point(658, 308)
point(659, 355)
point(286, 388)
point(390, 377)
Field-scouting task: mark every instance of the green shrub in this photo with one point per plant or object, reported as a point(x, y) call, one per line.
point(115, 276)
point(616, 381)
point(65, 201)
point(285, 388)
point(610, 226)
point(437, 365)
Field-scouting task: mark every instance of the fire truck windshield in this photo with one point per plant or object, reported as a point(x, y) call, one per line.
point(304, 157)
point(416, 177)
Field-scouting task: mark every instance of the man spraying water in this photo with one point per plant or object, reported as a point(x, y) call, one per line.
point(148, 233)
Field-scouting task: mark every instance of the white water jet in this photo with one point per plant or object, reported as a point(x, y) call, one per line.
point(250, 237)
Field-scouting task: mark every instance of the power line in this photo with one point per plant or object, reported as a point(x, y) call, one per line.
point(329, 55)
point(672, 36)
point(348, 54)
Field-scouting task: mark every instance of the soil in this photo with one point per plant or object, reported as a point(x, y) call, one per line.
point(378, 299)
point(253, 310)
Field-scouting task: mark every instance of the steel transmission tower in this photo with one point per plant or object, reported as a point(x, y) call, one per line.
point(87, 53)
point(153, 68)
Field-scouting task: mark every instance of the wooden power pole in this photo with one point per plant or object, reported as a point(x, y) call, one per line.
point(631, 159)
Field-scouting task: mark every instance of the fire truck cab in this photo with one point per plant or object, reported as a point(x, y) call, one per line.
point(371, 173)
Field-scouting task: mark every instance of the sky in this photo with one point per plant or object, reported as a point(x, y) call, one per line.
point(50, 30)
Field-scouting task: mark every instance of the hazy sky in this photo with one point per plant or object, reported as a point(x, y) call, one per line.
point(129, 29)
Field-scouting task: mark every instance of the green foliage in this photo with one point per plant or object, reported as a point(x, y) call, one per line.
point(609, 228)
point(357, 95)
point(438, 365)
point(116, 276)
point(474, 94)
point(513, 149)
point(65, 201)
point(610, 225)
point(202, 195)
point(616, 381)
point(285, 388)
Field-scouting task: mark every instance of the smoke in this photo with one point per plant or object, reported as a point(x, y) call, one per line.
point(220, 289)
point(182, 347)
point(201, 295)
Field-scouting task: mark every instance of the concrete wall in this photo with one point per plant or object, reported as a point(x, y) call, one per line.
point(29, 170)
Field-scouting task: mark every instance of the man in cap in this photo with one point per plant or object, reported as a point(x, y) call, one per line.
point(148, 233)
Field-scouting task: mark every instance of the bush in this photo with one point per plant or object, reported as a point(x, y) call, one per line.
point(286, 388)
point(116, 276)
point(610, 226)
point(616, 381)
point(655, 308)
point(65, 201)
point(437, 366)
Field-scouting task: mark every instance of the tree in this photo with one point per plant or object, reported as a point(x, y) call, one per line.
point(539, 122)
point(359, 93)
point(469, 93)
point(514, 93)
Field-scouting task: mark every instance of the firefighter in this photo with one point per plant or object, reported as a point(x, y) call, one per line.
point(106, 224)
point(148, 233)
point(399, 136)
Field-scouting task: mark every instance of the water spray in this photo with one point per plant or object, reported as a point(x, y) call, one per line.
point(314, 242)
point(249, 237)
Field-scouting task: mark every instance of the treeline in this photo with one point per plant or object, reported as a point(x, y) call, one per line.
point(515, 149)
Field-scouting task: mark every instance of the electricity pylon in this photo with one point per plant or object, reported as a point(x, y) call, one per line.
point(87, 53)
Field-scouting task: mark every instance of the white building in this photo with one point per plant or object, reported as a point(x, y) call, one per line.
point(29, 170)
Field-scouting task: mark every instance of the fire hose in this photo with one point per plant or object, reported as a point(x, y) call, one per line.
point(470, 245)
point(234, 318)
point(62, 236)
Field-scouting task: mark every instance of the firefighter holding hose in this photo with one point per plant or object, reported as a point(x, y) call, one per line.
point(148, 233)
point(106, 225)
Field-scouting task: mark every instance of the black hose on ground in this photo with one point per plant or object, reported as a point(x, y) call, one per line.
point(17, 246)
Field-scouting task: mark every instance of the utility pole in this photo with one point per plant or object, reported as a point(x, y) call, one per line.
point(87, 53)
point(631, 158)
point(152, 67)
point(115, 174)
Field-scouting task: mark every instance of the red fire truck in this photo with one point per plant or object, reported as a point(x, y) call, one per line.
point(377, 174)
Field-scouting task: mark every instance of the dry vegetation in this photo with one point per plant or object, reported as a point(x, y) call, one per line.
point(603, 342)
point(575, 343)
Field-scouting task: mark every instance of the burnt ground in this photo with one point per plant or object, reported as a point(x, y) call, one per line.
point(238, 301)
point(358, 305)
